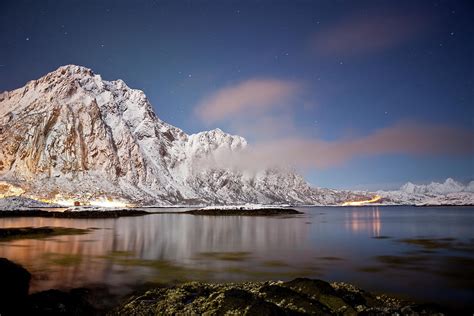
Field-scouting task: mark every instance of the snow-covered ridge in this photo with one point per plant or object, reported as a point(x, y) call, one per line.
point(448, 186)
point(449, 192)
point(72, 134)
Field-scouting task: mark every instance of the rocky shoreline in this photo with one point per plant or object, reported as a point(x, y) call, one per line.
point(300, 296)
point(244, 212)
point(7, 234)
point(138, 212)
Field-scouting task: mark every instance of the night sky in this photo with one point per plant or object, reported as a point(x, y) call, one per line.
point(336, 72)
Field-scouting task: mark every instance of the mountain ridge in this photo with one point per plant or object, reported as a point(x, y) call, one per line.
point(72, 134)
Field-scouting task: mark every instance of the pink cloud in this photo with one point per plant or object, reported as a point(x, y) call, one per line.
point(402, 138)
point(367, 33)
point(253, 96)
point(266, 126)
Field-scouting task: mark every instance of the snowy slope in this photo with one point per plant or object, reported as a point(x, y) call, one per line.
point(20, 203)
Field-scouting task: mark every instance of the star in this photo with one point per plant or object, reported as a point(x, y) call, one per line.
point(189, 76)
point(452, 33)
point(27, 38)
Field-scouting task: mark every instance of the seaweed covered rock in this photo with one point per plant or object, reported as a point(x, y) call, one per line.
point(323, 292)
point(296, 297)
point(250, 298)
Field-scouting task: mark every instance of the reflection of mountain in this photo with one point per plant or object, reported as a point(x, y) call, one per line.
point(362, 220)
point(179, 238)
point(81, 259)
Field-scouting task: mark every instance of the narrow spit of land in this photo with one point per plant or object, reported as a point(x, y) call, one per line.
point(244, 212)
point(7, 234)
point(138, 212)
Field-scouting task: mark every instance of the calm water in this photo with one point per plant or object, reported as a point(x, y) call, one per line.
point(423, 253)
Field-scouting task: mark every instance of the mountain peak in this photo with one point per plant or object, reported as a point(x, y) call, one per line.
point(73, 70)
point(448, 186)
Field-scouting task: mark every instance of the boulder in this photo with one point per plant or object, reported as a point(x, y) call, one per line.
point(14, 285)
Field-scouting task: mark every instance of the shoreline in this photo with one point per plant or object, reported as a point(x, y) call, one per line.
point(139, 212)
point(300, 296)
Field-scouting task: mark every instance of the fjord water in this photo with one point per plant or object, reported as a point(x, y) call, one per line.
point(424, 253)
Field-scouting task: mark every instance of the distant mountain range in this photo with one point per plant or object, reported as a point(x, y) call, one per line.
point(72, 134)
point(449, 192)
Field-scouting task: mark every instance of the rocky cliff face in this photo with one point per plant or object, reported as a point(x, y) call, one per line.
point(74, 134)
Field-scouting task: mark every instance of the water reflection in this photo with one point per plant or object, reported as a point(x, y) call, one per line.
point(68, 261)
point(364, 220)
point(327, 243)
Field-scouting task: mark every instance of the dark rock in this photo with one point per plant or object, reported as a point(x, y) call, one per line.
point(235, 300)
point(38, 232)
point(323, 292)
point(244, 212)
point(260, 307)
point(291, 300)
point(354, 299)
point(54, 302)
point(423, 310)
point(312, 288)
point(14, 284)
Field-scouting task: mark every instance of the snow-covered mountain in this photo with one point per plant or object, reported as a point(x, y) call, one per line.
point(449, 192)
point(73, 134)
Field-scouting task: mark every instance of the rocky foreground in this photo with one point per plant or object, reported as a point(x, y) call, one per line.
point(298, 297)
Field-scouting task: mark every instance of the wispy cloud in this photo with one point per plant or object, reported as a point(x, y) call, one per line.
point(402, 138)
point(263, 110)
point(253, 96)
point(367, 33)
